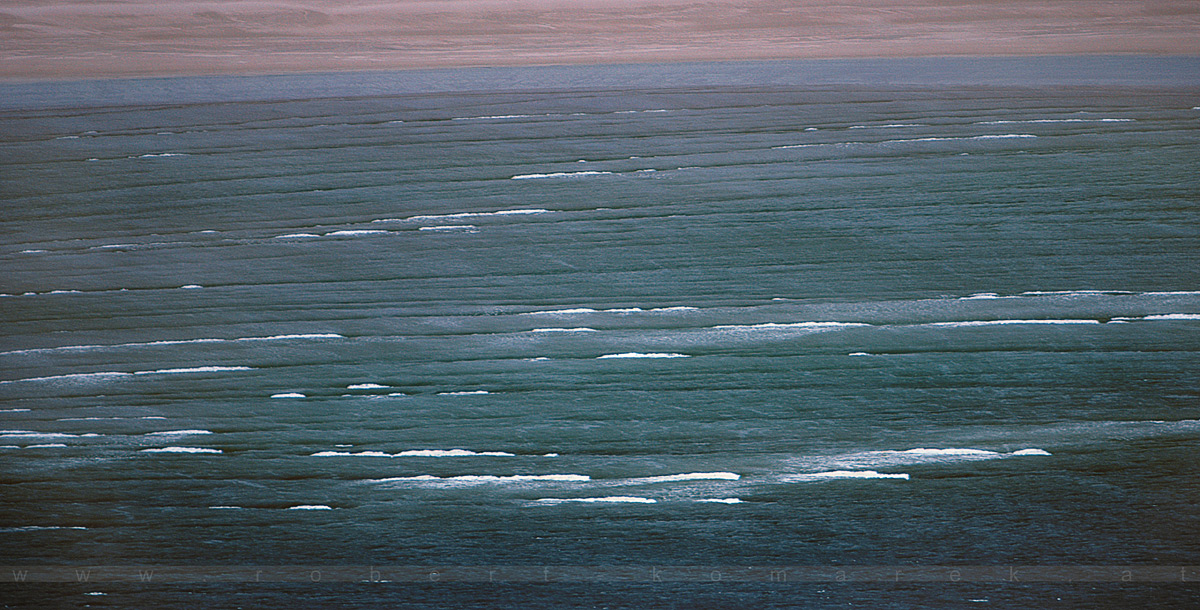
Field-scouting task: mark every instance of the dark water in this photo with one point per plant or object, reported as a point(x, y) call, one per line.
point(825, 326)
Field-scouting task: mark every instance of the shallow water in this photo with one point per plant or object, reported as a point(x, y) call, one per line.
point(703, 326)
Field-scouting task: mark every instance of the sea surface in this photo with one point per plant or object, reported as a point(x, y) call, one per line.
point(572, 329)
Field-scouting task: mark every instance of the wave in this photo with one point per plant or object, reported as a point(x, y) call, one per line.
point(34, 434)
point(845, 474)
point(296, 235)
point(689, 476)
point(38, 528)
point(226, 507)
point(195, 369)
point(15, 410)
point(179, 432)
point(366, 386)
point(578, 310)
point(888, 126)
point(1017, 121)
point(720, 500)
point(310, 507)
point(641, 355)
point(290, 337)
point(1168, 316)
point(288, 395)
point(563, 330)
point(1005, 136)
point(479, 479)
point(159, 155)
point(181, 450)
point(449, 228)
point(561, 175)
point(605, 499)
point(174, 342)
point(461, 215)
point(355, 232)
point(925, 455)
point(464, 393)
point(1006, 322)
point(46, 446)
point(431, 453)
point(799, 325)
point(106, 418)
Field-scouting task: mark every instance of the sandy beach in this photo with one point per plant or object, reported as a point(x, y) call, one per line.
point(73, 39)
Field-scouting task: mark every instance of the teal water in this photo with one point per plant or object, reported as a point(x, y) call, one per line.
point(711, 326)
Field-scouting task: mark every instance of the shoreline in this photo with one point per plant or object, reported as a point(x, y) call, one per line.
point(1076, 71)
point(96, 39)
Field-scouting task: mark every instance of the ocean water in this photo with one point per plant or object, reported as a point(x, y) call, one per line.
point(589, 328)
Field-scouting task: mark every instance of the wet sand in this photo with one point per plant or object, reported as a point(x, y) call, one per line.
point(75, 39)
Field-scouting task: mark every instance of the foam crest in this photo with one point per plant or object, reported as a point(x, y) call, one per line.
point(845, 474)
point(195, 369)
point(554, 312)
point(288, 395)
point(1174, 316)
point(33, 434)
point(888, 126)
point(179, 432)
point(791, 325)
point(690, 476)
point(603, 500)
point(72, 377)
point(449, 228)
point(1005, 136)
point(365, 386)
point(291, 337)
point(561, 175)
point(181, 450)
point(1032, 451)
point(564, 330)
point(643, 355)
point(428, 453)
point(720, 501)
point(297, 236)
point(461, 215)
point(1024, 121)
point(464, 393)
point(480, 479)
point(355, 232)
point(967, 323)
point(310, 507)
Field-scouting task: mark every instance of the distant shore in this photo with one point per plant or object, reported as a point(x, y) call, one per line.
point(87, 39)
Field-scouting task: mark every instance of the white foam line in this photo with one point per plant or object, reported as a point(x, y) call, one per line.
point(563, 330)
point(464, 393)
point(796, 325)
point(449, 228)
point(642, 355)
point(179, 432)
point(460, 215)
point(720, 501)
point(1007, 322)
point(603, 500)
point(1010, 122)
point(1174, 316)
point(181, 450)
point(289, 395)
point(196, 369)
point(1005, 136)
point(560, 175)
point(888, 126)
point(296, 236)
point(689, 476)
point(174, 342)
point(480, 479)
point(845, 474)
point(427, 453)
point(354, 232)
point(310, 507)
point(366, 386)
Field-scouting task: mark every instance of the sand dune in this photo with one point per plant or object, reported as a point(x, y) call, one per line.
point(103, 38)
